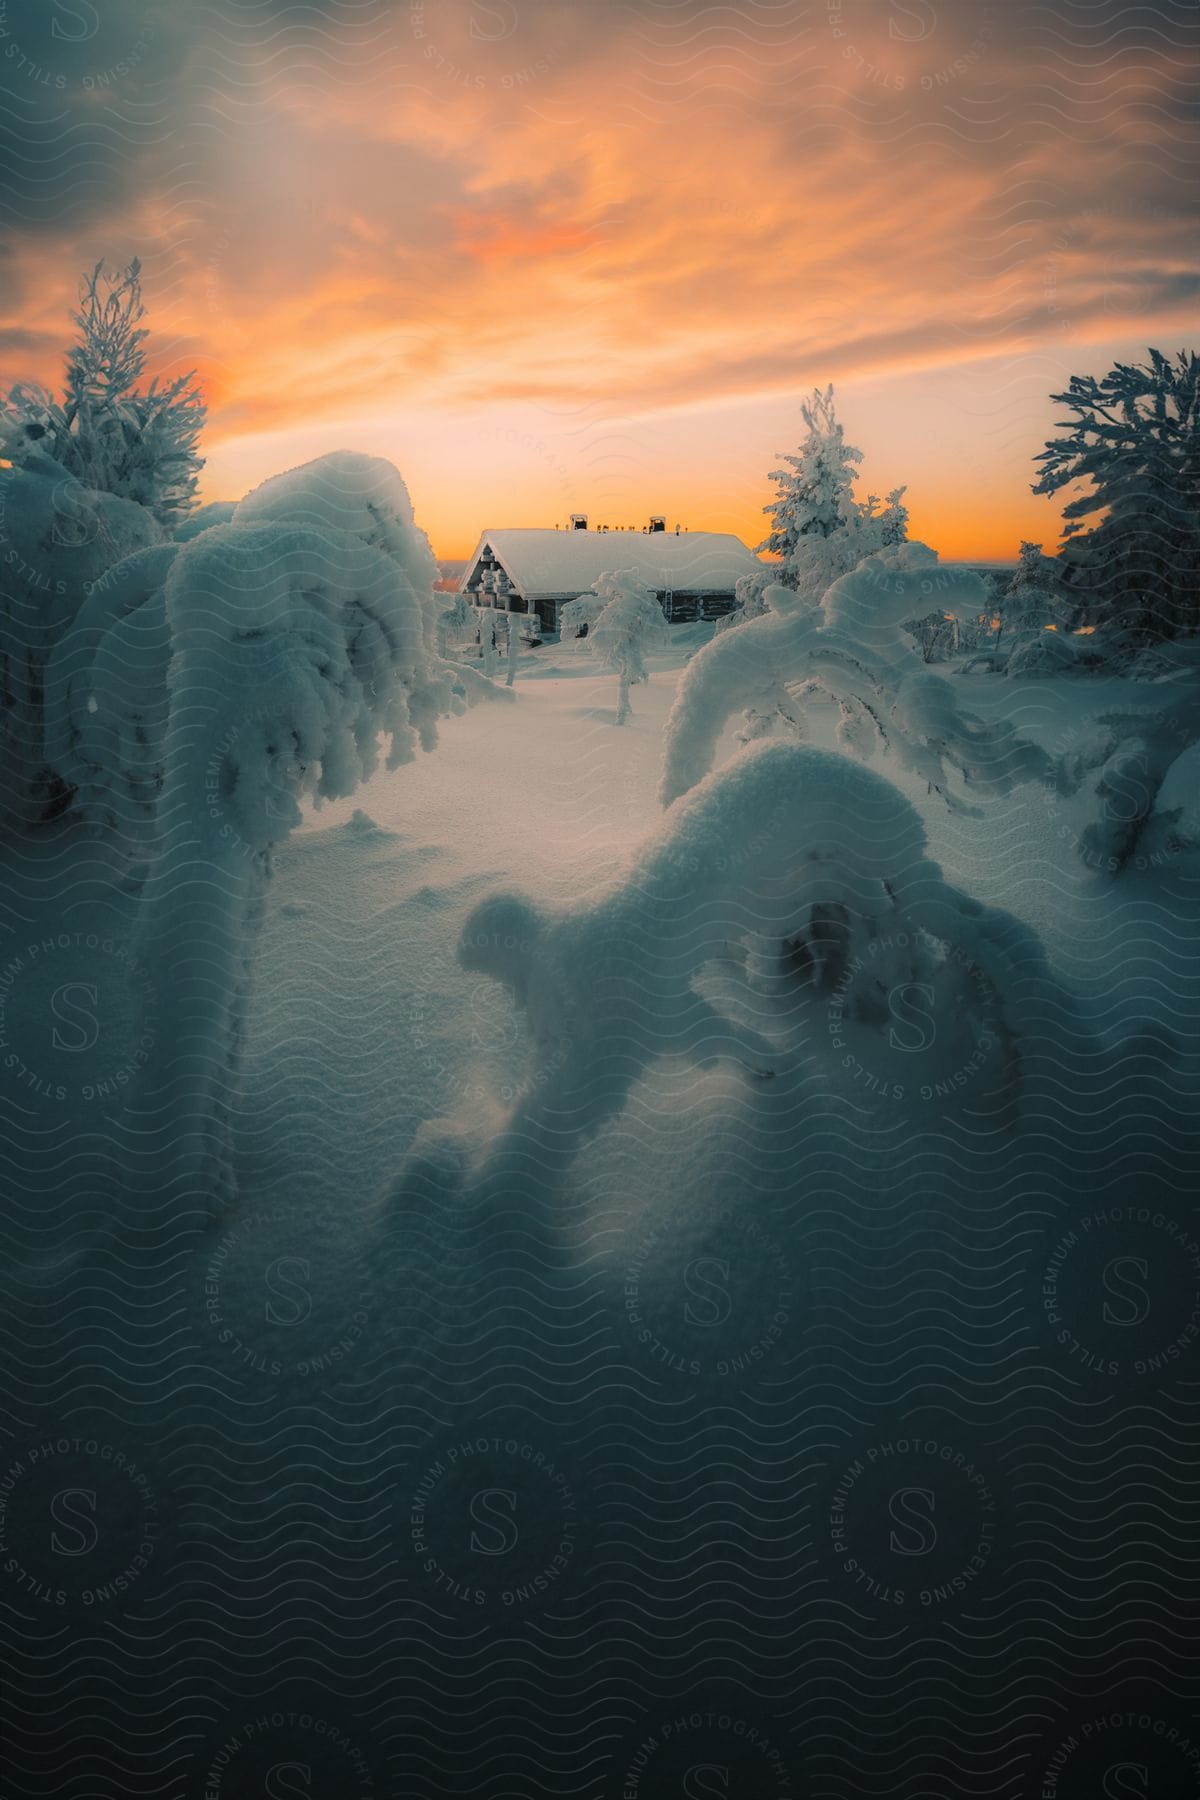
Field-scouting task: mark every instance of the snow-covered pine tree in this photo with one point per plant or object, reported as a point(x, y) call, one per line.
point(1132, 538)
point(459, 617)
point(623, 619)
point(888, 525)
point(820, 531)
point(108, 433)
point(816, 485)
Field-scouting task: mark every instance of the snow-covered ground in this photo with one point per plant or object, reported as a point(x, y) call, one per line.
point(548, 798)
point(698, 1368)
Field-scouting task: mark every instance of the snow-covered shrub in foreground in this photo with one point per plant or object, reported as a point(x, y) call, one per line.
point(623, 619)
point(106, 681)
point(789, 886)
point(855, 648)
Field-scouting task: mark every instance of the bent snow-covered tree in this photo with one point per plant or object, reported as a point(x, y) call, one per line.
point(856, 648)
point(292, 640)
point(790, 884)
point(623, 619)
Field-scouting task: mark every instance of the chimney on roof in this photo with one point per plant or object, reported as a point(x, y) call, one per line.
point(579, 522)
point(657, 522)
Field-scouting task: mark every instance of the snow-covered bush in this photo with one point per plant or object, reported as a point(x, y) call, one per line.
point(624, 619)
point(748, 591)
point(1041, 653)
point(1141, 814)
point(856, 648)
point(112, 436)
point(789, 890)
point(106, 681)
point(58, 542)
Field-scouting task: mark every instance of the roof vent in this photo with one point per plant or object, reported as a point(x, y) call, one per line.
point(579, 522)
point(657, 522)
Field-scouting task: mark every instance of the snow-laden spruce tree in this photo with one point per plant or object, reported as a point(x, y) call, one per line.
point(1132, 539)
point(819, 531)
point(858, 648)
point(108, 431)
point(87, 480)
point(1034, 597)
point(624, 619)
point(815, 495)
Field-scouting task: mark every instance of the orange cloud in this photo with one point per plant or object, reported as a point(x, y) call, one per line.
point(607, 231)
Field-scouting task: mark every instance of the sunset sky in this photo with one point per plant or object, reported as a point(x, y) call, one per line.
point(585, 255)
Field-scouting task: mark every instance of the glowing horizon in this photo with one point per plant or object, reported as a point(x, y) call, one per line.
point(591, 257)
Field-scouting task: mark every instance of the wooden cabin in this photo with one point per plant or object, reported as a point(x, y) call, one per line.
point(531, 571)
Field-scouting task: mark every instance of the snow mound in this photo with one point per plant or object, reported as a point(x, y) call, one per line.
point(1044, 653)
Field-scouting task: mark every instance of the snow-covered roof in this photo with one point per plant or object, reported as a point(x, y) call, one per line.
point(562, 564)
